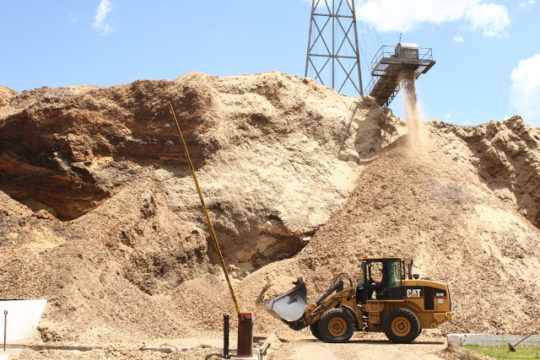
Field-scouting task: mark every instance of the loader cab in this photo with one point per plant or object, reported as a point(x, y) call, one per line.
point(380, 279)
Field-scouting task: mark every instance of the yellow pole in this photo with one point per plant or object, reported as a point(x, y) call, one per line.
point(205, 210)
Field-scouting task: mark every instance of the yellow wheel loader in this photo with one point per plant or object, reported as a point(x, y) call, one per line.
point(398, 306)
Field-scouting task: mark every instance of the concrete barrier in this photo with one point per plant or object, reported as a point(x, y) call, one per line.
point(491, 340)
point(22, 318)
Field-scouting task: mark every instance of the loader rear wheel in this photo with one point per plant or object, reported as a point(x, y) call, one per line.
point(315, 330)
point(335, 326)
point(401, 326)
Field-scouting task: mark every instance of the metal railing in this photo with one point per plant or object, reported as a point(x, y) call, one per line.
point(388, 51)
point(370, 86)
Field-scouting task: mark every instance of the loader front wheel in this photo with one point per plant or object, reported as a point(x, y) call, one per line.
point(335, 326)
point(315, 330)
point(401, 326)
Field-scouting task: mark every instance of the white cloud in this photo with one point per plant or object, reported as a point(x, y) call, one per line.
point(459, 39)
point(402, 16)
point(491, 18)
point(525, 89)
point(527, 4)
point(447, 116)
point(100, 24)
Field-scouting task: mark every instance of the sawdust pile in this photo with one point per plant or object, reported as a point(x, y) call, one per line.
point(100, 217)
point(432, 208)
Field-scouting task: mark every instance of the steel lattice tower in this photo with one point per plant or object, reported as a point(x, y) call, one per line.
point(332, 54)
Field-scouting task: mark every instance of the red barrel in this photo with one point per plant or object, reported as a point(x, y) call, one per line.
point(245, 335)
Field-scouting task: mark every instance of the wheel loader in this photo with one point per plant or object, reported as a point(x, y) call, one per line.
point(397, 306)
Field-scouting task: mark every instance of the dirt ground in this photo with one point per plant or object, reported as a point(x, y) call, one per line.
point(299, 347)
point(365, 346)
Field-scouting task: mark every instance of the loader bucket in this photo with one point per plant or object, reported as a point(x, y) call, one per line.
point(290, 305)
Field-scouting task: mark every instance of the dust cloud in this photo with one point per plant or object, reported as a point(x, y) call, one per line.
point(416, 138)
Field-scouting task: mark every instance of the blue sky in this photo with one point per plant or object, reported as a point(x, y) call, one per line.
point(487, 51)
